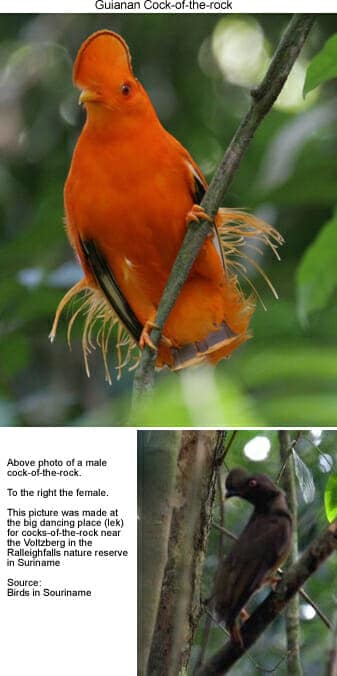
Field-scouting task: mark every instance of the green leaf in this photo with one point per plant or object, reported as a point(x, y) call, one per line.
point(317, 271)
point(305, 478)
point(330, 498)
point(323, 66)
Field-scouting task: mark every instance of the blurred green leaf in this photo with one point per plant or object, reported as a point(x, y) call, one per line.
point(317, 272)
point(295, 410)
point(312, 182)
point(323, 66)
point(290, 363)
point(330, 498)
point(15, 354)
point(305, 478)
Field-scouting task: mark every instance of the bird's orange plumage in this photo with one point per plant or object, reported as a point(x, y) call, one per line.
point(129, 194)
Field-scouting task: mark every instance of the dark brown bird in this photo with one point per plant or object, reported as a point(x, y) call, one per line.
point(261, 548)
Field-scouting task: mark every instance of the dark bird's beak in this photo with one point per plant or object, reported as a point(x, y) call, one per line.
point(231, 493)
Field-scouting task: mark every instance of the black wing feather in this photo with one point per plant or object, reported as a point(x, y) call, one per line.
point(199, 190)
point(110, 288)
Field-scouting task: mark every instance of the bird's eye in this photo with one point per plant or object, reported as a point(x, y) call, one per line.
point(125, 88)
point(252, 483)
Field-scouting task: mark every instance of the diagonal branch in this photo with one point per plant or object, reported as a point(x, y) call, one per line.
point(263, 98)
point(320, 549)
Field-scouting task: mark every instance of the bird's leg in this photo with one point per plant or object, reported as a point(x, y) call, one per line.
point(244, 615)
point(236, 634)
point(145, 335)
point(196, 214)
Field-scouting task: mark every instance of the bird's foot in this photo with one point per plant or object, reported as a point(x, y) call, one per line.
point(146, 340)
point(145, 335)
point(274, 580)
point(236, 635)
point(196, 214)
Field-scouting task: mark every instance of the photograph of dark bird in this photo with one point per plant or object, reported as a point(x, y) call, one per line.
point(261, 548)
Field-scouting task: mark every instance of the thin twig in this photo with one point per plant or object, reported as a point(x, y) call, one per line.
point(227, 447)
point(208, 619)
point(292, 446)
point(317, 609)
point(263, 98)
point(259, 667)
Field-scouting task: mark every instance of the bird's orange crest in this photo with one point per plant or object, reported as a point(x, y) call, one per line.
point(102, 54)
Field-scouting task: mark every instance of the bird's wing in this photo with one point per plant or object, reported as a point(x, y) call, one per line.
point(110, 288)
point(258, 551)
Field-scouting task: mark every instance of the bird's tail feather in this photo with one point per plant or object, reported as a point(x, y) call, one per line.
point(100, 319)
point(241, 233)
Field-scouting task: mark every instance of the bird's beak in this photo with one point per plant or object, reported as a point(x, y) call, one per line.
point(88, 96)
point(231, 494)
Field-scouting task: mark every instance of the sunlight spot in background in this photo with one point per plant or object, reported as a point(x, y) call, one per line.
point(325, 462)
point(209, 399)
point(307, 612)
point(30, 277)
point(291, 97)
point(207, 402)
point(316, 435)
point(239, 48)
point(243, 55)
point(257, 448)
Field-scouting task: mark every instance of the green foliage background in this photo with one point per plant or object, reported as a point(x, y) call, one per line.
point(287, 374)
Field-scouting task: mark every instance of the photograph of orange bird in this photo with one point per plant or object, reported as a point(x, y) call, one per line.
point(131, 191)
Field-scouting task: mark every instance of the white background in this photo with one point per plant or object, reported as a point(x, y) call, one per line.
point(66, 636)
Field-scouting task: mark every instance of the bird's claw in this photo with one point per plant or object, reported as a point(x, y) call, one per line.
point(236, 635)
point(145, 336)
point(196, 214)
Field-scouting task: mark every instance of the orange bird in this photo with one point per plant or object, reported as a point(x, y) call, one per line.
point(131, 190)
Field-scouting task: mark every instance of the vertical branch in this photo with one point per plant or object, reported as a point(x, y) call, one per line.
point(179, 606)
point(292, 611)
point(208, 618)
point(157, 466)
point(331, 669)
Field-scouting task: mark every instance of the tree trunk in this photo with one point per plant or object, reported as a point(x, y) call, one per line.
point(157, 464)
point(179, 607)
point(292, 611)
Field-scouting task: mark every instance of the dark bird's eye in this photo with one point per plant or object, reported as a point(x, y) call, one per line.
point(125, 88)
point(252, 483)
